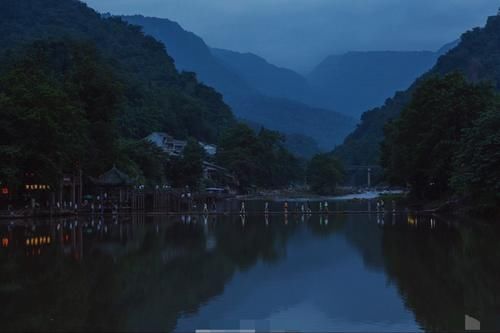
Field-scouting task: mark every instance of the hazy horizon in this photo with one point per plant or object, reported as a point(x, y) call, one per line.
point(298, 34)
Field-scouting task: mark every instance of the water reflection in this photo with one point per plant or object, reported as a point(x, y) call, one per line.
point(381, 272)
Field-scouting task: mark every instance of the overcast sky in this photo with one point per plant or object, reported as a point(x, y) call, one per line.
point(300, 33)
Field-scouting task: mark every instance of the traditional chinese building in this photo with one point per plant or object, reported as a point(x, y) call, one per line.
point(114, 186)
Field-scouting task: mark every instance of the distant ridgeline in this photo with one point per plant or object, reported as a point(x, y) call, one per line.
point(256, 90)
point(476, 56)
point(358, 81)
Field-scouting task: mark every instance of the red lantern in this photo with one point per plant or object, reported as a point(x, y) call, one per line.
point(5, 190)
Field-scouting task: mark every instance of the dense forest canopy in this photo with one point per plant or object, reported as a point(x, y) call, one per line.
point(156, 96)
point(446, 141)
point(258, 158)
point(58, 105)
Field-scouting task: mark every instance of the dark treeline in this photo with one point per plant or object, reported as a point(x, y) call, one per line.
point(259, 158)
point(447, 142)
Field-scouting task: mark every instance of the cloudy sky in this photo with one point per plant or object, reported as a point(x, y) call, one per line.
point(300, 33)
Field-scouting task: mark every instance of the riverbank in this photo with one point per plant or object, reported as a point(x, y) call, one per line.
point(345, 194)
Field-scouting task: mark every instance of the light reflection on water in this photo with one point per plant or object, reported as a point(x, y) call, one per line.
point(362, 272)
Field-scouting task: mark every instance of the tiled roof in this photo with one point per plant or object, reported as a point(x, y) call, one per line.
point(114, 177)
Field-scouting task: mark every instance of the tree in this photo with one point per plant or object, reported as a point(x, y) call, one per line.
point(42, 126)
point(188, 169)
point(58, 105)
point(477, 161)
point(257, 159)
point(143, 161)
point(237, 151)
point(419, 146)
point(324, 172)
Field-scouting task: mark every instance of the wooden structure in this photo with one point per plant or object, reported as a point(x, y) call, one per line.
point(114, 187)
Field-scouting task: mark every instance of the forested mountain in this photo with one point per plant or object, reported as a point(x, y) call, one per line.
point(476, 56)
point(78, 90)
point(358, 81)
point(268, 79)
point(156, 96)
point(247, 101)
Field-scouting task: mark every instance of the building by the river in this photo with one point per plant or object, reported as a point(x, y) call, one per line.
point(175, 147)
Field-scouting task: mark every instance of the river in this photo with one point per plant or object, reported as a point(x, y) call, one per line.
point(356, 272)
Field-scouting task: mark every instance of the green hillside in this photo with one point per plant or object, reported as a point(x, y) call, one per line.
point(156, 96)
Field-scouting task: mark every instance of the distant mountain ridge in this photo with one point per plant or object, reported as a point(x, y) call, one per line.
point(358, 81)
point(190, 53)
point(261, 103)
point(268, 79)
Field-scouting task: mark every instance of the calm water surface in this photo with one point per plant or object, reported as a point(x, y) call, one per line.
point(385, 272)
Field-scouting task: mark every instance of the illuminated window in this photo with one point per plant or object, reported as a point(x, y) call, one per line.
point(27, 187)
